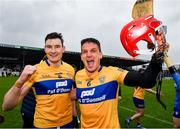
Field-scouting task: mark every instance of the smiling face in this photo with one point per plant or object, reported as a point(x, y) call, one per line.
point(54, 51)
point(91, 56)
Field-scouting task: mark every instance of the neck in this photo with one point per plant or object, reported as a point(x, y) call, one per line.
point(93, 72)
point(55, 64)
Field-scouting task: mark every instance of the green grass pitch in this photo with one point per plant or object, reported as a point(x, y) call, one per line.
point(155, 116)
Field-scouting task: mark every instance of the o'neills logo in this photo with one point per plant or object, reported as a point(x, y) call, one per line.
point(88, 93)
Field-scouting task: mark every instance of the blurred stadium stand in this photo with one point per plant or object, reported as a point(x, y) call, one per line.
point(12, 56)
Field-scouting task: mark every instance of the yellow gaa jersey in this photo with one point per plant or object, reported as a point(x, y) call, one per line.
point(52, 86)
point(98, 97)
point(139, 93)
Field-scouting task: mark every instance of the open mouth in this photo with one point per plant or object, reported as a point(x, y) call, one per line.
point(90, 63)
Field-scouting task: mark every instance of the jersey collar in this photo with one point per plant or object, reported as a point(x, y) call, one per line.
point(46, 60)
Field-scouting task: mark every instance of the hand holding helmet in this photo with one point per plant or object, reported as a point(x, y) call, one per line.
point(147, 29)
point(163, 46)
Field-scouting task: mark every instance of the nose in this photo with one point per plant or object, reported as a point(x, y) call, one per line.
point(53, 49)
point(89, 54)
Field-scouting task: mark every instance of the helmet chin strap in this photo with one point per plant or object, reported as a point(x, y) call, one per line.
point(153, 40)
point(148, 51)
point(160, 28)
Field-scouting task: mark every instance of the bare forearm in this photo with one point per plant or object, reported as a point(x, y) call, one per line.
point(73, 94)
point(18, 91)
point(12, 97)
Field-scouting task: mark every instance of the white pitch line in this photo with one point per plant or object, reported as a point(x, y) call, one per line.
point(149, 116)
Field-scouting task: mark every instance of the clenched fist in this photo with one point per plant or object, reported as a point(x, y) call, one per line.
point(26, 73)
point(161, 41)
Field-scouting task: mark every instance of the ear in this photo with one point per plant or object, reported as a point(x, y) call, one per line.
point(44, 49)
point(64, 49)
point(100, 55)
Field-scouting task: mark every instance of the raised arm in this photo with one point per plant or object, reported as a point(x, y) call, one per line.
point(16, 93)
point(147, 79)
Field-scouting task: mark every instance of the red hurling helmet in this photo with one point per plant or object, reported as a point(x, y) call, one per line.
point(144, 29)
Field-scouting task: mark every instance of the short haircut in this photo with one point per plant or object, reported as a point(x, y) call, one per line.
point(55, 35)
point(92, 40)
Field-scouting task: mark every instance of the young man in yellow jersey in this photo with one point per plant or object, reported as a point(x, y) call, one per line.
point(138, 100)
point(52, 81)
point(97, 86)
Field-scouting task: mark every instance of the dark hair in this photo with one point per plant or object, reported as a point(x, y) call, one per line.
point(93, 40)
point(55, 35)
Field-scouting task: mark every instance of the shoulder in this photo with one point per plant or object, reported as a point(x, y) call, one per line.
point(81, 73)
point(40, 64)
point(114, 69)
point(68, 67)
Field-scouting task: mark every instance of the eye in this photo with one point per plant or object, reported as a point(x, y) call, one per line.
point(57, 46)
point(48, 46)
point(94, 50)
point(84, 51)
